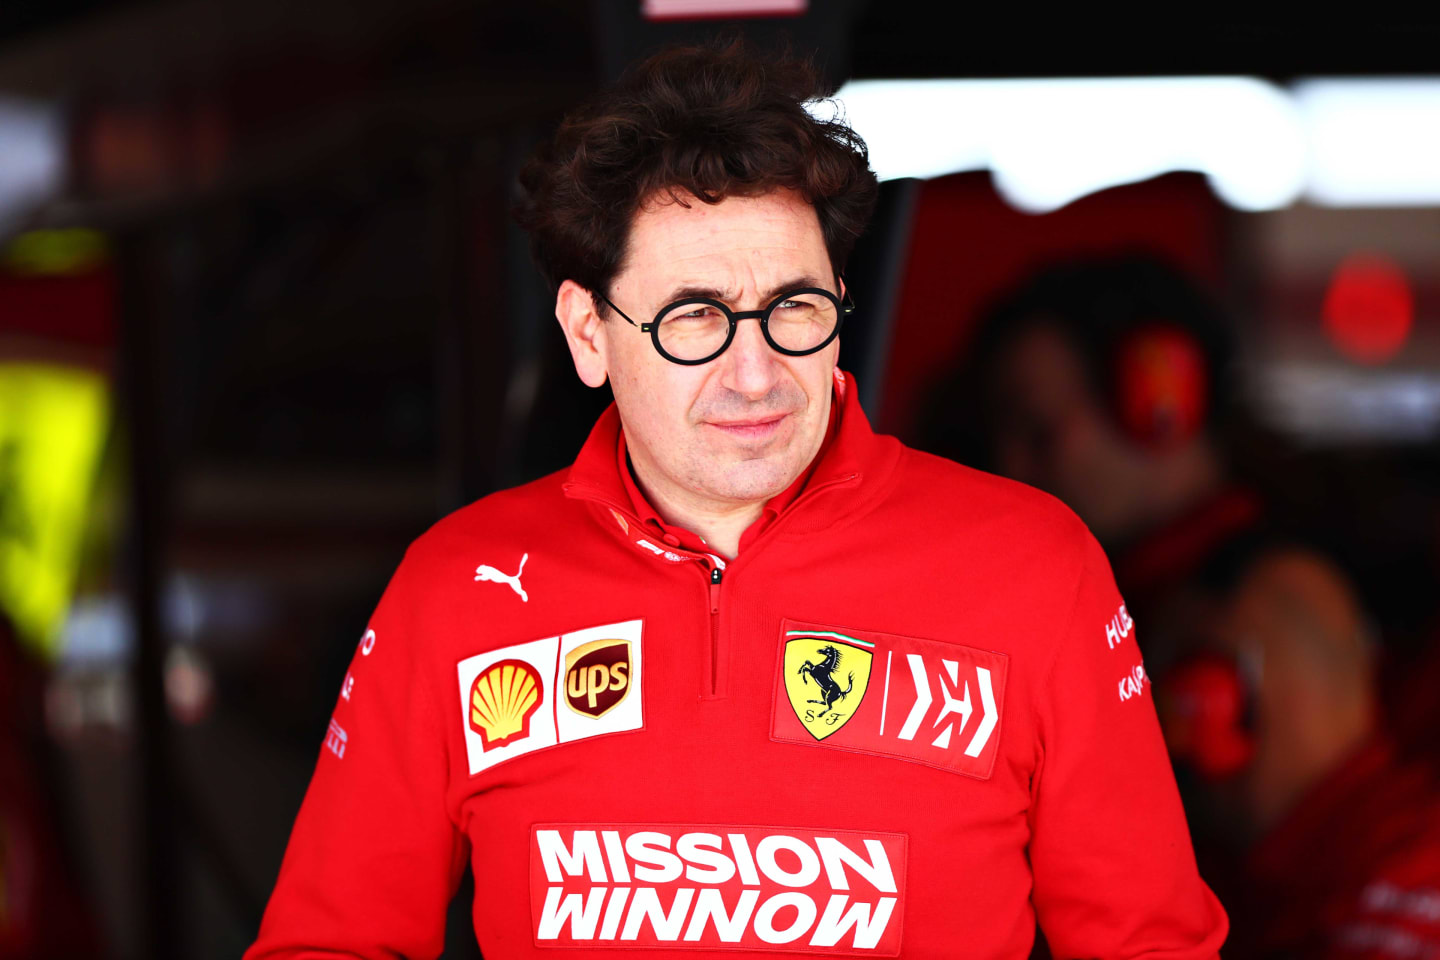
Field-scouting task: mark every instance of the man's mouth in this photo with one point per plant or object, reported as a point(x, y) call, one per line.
point(750, 430)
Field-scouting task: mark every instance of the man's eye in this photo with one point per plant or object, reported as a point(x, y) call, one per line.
point(699, 313)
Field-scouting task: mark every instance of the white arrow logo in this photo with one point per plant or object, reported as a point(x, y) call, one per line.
point(922, 697)
point(961, 706)
point(992, 716)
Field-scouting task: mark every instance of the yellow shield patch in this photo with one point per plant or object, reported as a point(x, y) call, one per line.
point(826, 675)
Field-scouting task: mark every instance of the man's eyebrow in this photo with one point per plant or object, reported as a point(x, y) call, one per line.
point(728, 296)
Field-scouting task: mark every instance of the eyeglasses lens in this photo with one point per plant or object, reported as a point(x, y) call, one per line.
point(696, 330)
point(803, 321)
point(693, 331)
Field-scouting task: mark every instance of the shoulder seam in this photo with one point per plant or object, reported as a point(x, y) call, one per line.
point(1069, 620)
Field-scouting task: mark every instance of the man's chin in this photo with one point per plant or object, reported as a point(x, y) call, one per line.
point(754, 480)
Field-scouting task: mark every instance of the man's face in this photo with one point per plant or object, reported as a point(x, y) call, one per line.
point(1054, 432)
point(742, 427)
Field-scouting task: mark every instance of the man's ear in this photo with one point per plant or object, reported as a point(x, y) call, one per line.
point(584, 332)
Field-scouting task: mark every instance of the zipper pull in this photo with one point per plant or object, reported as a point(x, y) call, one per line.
point(715, 590)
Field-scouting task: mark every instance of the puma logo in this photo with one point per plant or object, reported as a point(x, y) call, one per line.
point(487, 572)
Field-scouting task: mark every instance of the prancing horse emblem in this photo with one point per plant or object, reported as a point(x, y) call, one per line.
point(821, 673)
point(825, 695)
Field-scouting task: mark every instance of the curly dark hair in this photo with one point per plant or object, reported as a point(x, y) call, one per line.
point(712, 121)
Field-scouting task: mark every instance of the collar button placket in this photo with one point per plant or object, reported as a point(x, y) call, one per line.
point(713, 682)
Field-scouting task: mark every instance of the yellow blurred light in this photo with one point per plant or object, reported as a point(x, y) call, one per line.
point(55, 252)
point(53, 422)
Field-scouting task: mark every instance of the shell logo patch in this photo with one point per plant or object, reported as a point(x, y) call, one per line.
point(826, 676)
point(510, 697)
point(502, 700)
point(927, 701)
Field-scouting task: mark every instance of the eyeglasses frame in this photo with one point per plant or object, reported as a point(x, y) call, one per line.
point(844, 307)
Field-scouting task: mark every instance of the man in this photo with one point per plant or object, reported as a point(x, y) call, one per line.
point(1347, 863)
point(1104, 382)
point(760, 679)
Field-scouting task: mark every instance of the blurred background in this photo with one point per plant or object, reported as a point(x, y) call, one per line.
point(263, 319)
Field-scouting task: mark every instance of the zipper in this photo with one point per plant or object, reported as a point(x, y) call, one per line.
point(712, 690)
point(715, 576)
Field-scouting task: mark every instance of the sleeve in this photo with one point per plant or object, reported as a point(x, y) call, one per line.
point(1114, 870)
point(374, 859)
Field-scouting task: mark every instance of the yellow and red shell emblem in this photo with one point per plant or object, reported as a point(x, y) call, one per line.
point(502, 701)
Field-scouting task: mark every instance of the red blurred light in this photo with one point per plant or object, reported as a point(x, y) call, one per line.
point(1202, 706)
point(1161, 390)
point(1369, 308)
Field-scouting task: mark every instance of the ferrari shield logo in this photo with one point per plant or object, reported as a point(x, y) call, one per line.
point(826, 674)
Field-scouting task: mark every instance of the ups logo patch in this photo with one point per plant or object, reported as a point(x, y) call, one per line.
point(597, 676)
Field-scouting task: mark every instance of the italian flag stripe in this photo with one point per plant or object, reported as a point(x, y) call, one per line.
point(828, 633)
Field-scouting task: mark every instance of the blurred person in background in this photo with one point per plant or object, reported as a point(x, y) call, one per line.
point(1106, 382)
point(740, 606)
point(1339, 825)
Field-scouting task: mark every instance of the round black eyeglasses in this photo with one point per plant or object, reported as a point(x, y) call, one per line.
point(696, 330)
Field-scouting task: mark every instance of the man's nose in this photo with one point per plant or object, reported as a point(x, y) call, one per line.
point(751, 366)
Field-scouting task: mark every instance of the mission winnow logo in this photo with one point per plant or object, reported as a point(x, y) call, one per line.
point(673, 886)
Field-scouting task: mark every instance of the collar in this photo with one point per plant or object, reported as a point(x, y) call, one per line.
point(853, 456)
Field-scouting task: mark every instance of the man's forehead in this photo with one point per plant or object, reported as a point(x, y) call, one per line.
point(681, 202)
point(725, 246)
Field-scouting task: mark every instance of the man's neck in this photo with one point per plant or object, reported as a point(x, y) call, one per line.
point(719, 525)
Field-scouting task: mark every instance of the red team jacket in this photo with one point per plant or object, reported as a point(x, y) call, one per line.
point(907, 720)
